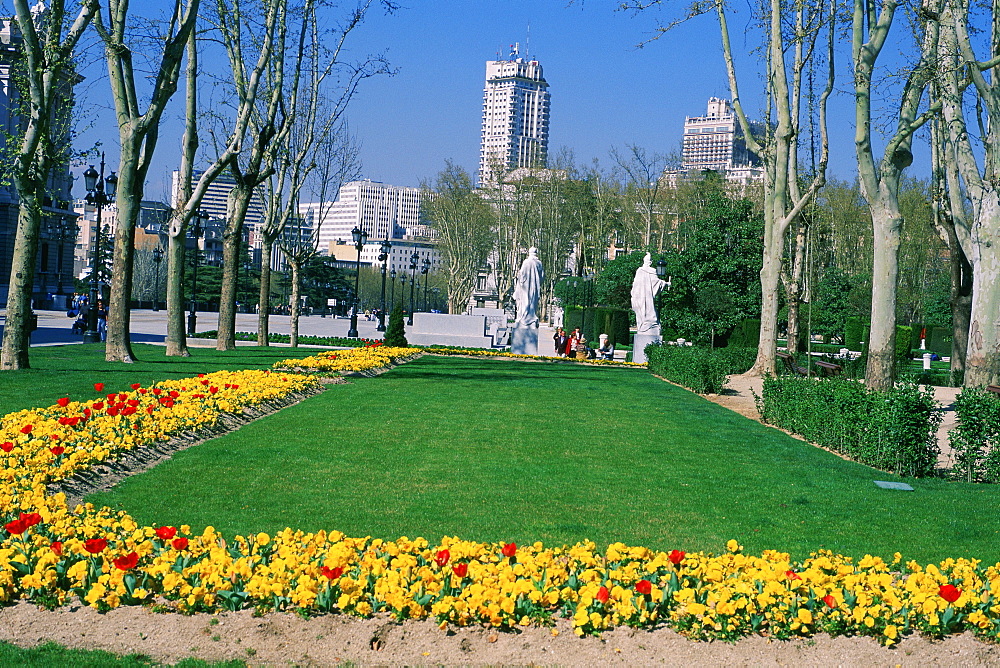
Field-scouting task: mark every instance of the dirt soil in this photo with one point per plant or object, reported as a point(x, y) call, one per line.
point(285, 639)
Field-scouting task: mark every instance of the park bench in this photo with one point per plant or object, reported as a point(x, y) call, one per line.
point(995, 389)
point(828, 369)
point(791, 366)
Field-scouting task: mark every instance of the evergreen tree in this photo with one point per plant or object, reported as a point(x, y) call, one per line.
point(395, 333)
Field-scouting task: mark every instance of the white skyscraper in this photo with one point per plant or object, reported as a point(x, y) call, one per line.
point(515, 116)
point(715, 142)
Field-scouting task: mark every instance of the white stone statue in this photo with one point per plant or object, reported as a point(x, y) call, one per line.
point(645, 286)
point(527, 289)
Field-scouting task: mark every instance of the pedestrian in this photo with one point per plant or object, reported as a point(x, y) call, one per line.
point(560, 342)
point(102, 320)
point(572, 342)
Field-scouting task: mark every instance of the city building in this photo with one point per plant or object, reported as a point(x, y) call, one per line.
point(149, 230)
point(515, 117)
point(382, 210)
point(53, 278)
point(216, 199)
point(715, 142)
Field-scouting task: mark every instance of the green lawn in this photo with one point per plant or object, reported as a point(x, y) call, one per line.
point(59, 371)
point(51, 654)
point(494, 450)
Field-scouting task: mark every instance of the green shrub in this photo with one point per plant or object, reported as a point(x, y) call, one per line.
point(597, 320)
point(855, 332)
point(894, 431)
point(338, 341)
point(746, 334)
point(701, 370)
point(395, 331)
point(903, 336)
point(976, 436)
point(939, 340)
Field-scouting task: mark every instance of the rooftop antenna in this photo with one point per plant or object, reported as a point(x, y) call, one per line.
point(527, 44)
point(515, 50)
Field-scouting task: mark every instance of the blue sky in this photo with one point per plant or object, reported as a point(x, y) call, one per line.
point(605, 91)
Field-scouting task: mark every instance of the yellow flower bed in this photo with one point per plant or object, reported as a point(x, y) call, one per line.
point(483, 352)
point(51, 554)
point(351, 360)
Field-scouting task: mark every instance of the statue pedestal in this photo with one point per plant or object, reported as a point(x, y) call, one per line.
point(639, 344)
point(524, 341)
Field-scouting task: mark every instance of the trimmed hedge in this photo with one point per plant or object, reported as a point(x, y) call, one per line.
point(701, 370)
point(395, 331)
point(597, 320)
point(855, 332)
point(894, 431)
point(976, 436)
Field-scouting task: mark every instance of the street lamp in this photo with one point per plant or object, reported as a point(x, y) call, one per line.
point(413, 281)
point(425, 267)
point(99, 198)
point(384, 259)
point(200, 219)
point(437, 296)
point(360, 238)
point(157, 259)
point(392, 295)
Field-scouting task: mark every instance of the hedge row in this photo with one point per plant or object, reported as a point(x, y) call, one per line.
point(597, 320)
point(701, 370)
point(976, 436)
point(894, 431)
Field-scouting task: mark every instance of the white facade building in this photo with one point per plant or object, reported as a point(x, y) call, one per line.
point(715, 142)
point(381, 210)
point(515, 117)
point(216, 200)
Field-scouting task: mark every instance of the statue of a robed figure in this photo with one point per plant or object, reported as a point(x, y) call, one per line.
point(527, 289)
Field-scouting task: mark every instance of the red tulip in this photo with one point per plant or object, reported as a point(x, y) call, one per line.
point(16, 527)
point(461, 570)
point(156, 390)
point(644, 587)
point(136, 386)
point(676, 557)
point(331, 573)
point(26, 429)
point(235, 386)
point(166, 533)
point(63, 402)
point(95, 545)
point(509, 550)
point(57, 547)
point(57, 450)
point(442, 558)
point(98, 387)
point(97, 405)
point(792, 575)
point(603, 594)
point(949, 592)
point(174, 394)
point(201, 375)
point(204, 382)
point(128, 562)
point(6, 446)
point(180, 543)
point(830, 601)
point(30, 518)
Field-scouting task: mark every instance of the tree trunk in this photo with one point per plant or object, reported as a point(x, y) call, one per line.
point(239, 202)
point(264, 296)
point(296, 277)
point(119, 345)
point(176, 333)
point(770, 273)
point(982, 361)
point(16, 333)
point(881, 369)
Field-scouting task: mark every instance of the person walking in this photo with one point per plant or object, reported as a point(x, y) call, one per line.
point(560, 342)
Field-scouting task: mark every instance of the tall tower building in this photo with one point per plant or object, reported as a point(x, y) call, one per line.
point(515, 116)
point(715, 141)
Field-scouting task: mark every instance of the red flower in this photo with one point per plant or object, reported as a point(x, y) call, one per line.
point(166, 533)
point(30, 518)
point(95, 545)
point(26, 429)
point(180, 543)
point(949, 592)
point(509, 550)
point(603, 594)
point(442, 558)
point(156, 390)
point(676, 557)
point(213, 389)
point(57, 547)
point(128, 562)
point(235, 386)
point(331, 573)
point(204, 382)
point(149, 409)
point(201, 375)
point(112, 397)
point(98, 387)
point(644, 587)
point(16, 527)
point(132, 402)
point(57, 450)
point(143, 390)
point(97, 405)
point(461, 570)
point(174, 394)
point(830, 601)
point(63, 402)
point(136, 386)
point(792, 575)
point(6, 446)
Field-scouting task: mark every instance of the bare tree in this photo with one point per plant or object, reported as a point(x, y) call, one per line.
point(643, 172)
point(138, 131)
point(47, 43)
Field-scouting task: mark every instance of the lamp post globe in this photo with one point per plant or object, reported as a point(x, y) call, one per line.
point(95, 182)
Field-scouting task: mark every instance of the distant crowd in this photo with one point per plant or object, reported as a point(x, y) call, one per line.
point(574, 345)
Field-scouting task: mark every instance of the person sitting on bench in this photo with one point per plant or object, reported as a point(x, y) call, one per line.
point(606, 350)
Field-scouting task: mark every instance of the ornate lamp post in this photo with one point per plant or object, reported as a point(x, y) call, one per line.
point(437, 296)
point(413, 282)
point(425, 267)
point(157, 259)
point(61, 231)
point(384, 259)
point(392, 295)
point(99, 198)
point(402, 288)
point(196, 231)
point(360, 238)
